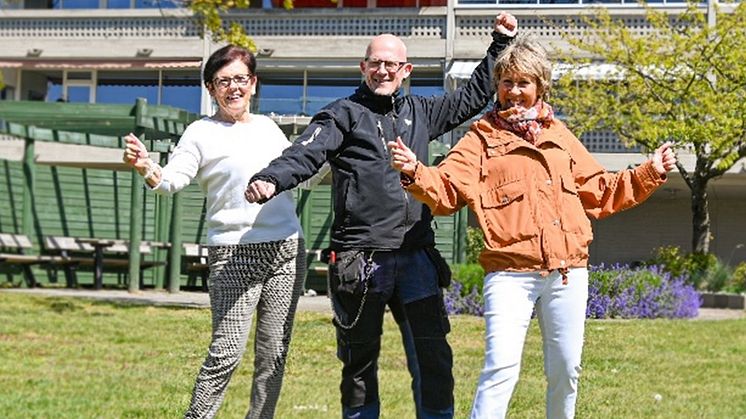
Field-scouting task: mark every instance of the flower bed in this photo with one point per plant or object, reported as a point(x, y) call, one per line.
point(646, 292)
point(613, 292)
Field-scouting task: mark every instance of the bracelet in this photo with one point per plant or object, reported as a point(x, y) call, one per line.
point(151, 170)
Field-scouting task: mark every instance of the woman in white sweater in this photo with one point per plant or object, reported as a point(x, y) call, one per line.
point(256, 252)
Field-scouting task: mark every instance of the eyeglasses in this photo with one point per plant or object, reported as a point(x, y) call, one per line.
point(242, 80)
point(390, 66)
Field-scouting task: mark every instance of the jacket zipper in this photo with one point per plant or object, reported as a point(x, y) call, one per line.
point(383, 137)
point(406, 197)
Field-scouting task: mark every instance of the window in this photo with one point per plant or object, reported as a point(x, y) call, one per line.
point(426, 83)
point(303, 92)
point(280, 93)
point(181, 89)
point(126, 86)
point(74, 4)
point(324, 88)
point(41, 86)
point(118, 4)
point(157, 4)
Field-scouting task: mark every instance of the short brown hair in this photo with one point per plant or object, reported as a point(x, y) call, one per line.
point(525, 55)
point(225, 56)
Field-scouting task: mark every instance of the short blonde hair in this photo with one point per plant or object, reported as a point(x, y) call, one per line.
point(525, 55)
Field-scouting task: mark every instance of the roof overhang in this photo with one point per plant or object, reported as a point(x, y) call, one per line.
point(99, 64)
point(460, 70)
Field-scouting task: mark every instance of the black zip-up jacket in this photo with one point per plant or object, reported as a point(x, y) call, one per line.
point(371, 210)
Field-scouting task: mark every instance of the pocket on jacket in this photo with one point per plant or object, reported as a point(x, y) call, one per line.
point(508, 213)
point(572, 213)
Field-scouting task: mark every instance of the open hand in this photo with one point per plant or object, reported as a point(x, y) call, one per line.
point(664, 159)
point(402, 158)
point(506, 24)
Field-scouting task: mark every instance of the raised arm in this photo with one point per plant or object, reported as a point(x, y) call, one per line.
point(298, 162)
point(452, 109)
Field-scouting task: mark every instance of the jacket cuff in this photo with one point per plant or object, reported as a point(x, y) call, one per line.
point(499, 41)
point(407, 180)
point(648, 173)
point(264, 177)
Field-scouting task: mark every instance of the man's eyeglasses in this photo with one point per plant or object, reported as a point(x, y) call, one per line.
point(242, 80)
point(390, 66)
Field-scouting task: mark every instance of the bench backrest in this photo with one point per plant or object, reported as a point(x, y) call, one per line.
point(15, 241)
point(194, 250)
point(60, 243)
point(71, 244)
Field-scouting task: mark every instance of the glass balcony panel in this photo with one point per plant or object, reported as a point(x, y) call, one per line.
point(157, 4)
point(11, 4)
point(79, 94)
point(54, 92)
point(181, 90)
point(118, 4)
point(283, 96)
point(125, 87)
point(74, 4)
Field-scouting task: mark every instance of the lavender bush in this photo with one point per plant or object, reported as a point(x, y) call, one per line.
point(613, 292)
point(459, 301)
point(645, 292)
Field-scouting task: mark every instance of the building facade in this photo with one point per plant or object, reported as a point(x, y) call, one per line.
point(113, 51)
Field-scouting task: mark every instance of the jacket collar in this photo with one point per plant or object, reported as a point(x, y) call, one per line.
point(506, 141)
point(376, 103)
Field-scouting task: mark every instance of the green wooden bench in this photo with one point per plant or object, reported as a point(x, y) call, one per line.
point(14, 256)
point(95, 254)
point(194, 263)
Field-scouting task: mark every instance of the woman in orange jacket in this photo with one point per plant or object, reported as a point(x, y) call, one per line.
point(532, 185)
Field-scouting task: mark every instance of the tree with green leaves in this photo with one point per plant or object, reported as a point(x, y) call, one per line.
point(684, 81)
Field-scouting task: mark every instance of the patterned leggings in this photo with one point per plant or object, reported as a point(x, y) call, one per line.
point(267, 277)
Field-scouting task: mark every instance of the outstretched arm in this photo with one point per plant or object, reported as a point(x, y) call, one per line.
point(444, 189)
point(298, 162)
point(603, 193)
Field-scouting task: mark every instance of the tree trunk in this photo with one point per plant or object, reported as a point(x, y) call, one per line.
point(700, 216)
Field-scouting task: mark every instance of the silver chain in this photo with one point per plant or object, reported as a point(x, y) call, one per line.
point(367, 271)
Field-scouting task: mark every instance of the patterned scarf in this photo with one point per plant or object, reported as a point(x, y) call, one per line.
point(525, 123)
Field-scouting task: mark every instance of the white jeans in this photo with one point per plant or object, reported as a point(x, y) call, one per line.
point(509, 298)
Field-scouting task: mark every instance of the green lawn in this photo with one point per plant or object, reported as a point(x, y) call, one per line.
point(74, 358)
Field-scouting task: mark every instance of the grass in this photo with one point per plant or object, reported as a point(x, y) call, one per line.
point(75, 358)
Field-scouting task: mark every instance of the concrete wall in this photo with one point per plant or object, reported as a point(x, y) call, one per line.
point(666, 220)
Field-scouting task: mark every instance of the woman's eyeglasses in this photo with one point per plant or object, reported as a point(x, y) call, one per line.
point(241, 80)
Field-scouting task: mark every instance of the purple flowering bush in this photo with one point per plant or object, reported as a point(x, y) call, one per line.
point(458, 300)
point(613, 292)
point(645, 292)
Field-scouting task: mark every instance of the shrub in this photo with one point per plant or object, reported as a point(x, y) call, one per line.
point(615, 292)
point(457, 302)
point(702, 270)
point(474, 244)
point(647, 292)
point(464, 296)
point(737, 282)
point(470, 275)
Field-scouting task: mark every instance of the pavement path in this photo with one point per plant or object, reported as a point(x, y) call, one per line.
point(317, 303)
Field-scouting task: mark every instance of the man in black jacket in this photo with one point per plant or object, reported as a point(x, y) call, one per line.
point(382, 245)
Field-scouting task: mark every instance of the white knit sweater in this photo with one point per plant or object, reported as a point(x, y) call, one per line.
point(222, 157)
